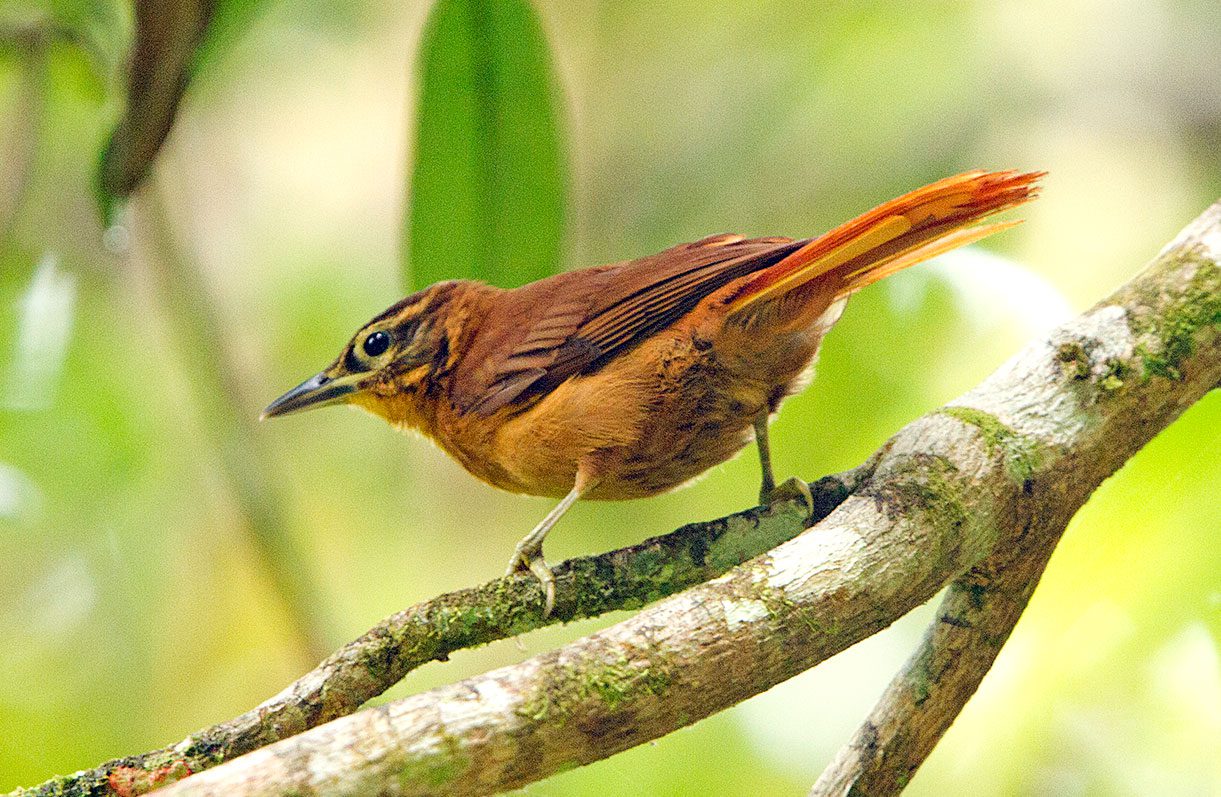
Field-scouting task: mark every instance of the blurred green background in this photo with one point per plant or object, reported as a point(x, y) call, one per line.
point(138, 500)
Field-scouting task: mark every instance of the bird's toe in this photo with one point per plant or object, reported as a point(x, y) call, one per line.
point(792, 489)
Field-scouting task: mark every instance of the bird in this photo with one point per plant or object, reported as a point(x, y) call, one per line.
point(627, 380)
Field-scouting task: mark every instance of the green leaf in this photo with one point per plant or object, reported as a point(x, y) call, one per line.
point(230, 20)
point(95, 27)
point(487, 192)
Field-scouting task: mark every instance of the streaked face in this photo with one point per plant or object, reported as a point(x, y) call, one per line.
point(395, 348)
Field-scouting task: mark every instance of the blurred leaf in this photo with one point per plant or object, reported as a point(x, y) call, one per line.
point(230, 19)
point(19, 495)
point(174, 39)
point(95, 27)
point(44, 326)
point(41, 37)
point(487, 190)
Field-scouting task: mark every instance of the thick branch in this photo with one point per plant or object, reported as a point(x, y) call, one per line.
point(983, 605)
point(430, 631)
point(948, 491)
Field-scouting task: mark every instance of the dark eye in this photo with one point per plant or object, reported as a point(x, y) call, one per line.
point(376, 343)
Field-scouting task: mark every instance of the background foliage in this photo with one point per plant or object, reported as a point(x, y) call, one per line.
point(142, 593)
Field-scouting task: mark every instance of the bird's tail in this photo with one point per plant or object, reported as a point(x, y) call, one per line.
point(900, 233)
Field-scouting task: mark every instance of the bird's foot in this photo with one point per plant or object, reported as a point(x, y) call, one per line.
point(792, 489)
point(526, 558)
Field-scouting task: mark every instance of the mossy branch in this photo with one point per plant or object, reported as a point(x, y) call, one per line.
point(369, 665)
point(973, 622)
point(1173, 311)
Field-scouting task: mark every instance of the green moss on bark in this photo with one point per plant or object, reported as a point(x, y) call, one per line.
point(1074, 360)
point(433, 771)
point(1116, 374)
point(926, 487)
point(1022, 455)
point(1168, 333)
point(580, 689)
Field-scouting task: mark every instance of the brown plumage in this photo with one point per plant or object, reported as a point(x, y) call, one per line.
point(627, 380)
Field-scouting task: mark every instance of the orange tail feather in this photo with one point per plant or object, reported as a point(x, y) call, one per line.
point(893, 236)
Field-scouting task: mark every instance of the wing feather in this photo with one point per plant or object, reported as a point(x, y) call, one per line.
point(574, 323)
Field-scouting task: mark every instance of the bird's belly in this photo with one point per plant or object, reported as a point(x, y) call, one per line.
point(674, 457)
point(665, 450)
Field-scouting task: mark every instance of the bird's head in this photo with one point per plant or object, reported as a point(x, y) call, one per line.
point(390, 361)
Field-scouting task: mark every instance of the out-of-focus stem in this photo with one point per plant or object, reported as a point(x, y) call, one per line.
point(201, 345)
point(370, 664)
point(31, 43)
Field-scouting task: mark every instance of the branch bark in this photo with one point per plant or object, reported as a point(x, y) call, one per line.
point(973, 485)
point(983, 605)
point(430, 631)
point(974, 620)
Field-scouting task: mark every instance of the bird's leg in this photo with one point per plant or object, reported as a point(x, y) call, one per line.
point(529, 552)
point(765, 458)
point(769, 492)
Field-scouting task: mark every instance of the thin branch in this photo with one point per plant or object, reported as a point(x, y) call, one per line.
point(946, 493)
point(200, 343)
point(31, 43)
point(974, 621)
point(430, 631)
point(167, 39)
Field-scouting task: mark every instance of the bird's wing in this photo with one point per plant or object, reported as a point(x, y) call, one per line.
point(574, 323)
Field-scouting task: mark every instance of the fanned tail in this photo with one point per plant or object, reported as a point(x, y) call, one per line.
point(893, 236)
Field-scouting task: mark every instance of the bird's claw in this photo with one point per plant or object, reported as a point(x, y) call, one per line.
point(526, 559)
point(792, 489)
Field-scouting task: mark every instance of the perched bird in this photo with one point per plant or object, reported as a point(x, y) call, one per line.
point(630, 379)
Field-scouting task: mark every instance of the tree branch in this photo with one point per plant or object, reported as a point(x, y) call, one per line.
point(974, 621)
point(430, 631)
point(983, 605)
point(995, 473)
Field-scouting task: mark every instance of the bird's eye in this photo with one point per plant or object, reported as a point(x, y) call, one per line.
point(376, 343)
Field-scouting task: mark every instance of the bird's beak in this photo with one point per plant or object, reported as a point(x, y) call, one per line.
point(319, 390)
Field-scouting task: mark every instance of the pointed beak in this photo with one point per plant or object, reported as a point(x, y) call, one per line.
point(317, 391)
